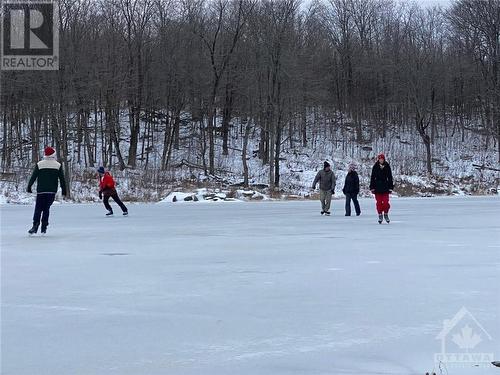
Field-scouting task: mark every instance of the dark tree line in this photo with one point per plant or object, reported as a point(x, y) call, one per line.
point(138, 77)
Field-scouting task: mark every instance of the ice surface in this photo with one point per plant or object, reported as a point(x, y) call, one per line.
point(248, 288)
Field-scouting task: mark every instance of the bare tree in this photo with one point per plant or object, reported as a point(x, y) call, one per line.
point(476, 26)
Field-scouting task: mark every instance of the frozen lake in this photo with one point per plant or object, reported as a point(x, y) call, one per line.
point(250, 288)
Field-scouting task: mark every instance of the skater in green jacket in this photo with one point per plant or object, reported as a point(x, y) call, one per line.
point(48, 173)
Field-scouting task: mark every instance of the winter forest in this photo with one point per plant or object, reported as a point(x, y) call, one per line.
point(168, 120)
point(170, 93)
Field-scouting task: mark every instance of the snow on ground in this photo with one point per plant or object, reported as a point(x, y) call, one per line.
point(200, 195)
point(249, 288)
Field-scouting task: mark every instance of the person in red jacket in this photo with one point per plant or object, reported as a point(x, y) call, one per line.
point(107, 190)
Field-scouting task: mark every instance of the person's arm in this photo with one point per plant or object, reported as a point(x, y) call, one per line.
point(372, 179)
point(389, 178)
point(62, 181)
point(316, 179)
point(334, 182)
point(356, 183)
point(33, 178)
point(100, 188)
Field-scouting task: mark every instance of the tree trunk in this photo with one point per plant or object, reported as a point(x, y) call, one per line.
point(226, 118)
point(111, 123)
point(166, 143)
point(272, 135)
point(277, 154)
point(421, 128)
point(134, 136)
point(175, 130)
point(428, 154)
point(244, 153)
point(211, 141)
point(304, 127)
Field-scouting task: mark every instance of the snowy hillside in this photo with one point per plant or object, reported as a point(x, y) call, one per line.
point(457, 165)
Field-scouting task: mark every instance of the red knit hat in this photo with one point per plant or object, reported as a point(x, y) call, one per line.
point(49, 151)
point(381, 156)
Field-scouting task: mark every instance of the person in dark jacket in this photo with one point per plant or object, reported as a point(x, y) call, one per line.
point(381, 184)
point(351, 190)
point(327, 181)
point(107, 190)
point(48, 173)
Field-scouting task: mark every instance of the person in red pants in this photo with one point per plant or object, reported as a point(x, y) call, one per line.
point(381, 184)
point(107, 190)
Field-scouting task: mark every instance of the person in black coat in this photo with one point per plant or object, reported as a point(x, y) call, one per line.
point(381, 184)
point(351, 190)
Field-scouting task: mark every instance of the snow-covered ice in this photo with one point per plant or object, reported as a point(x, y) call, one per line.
point(249, 288)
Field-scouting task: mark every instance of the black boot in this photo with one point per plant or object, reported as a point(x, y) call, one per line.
point(110, 213)
point(380, 218)
point(386, 217)
point(34, 229)
point(44, 228)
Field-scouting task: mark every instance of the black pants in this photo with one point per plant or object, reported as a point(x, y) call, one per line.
point(354, 198)
point(42, 208)
point(116, 198)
